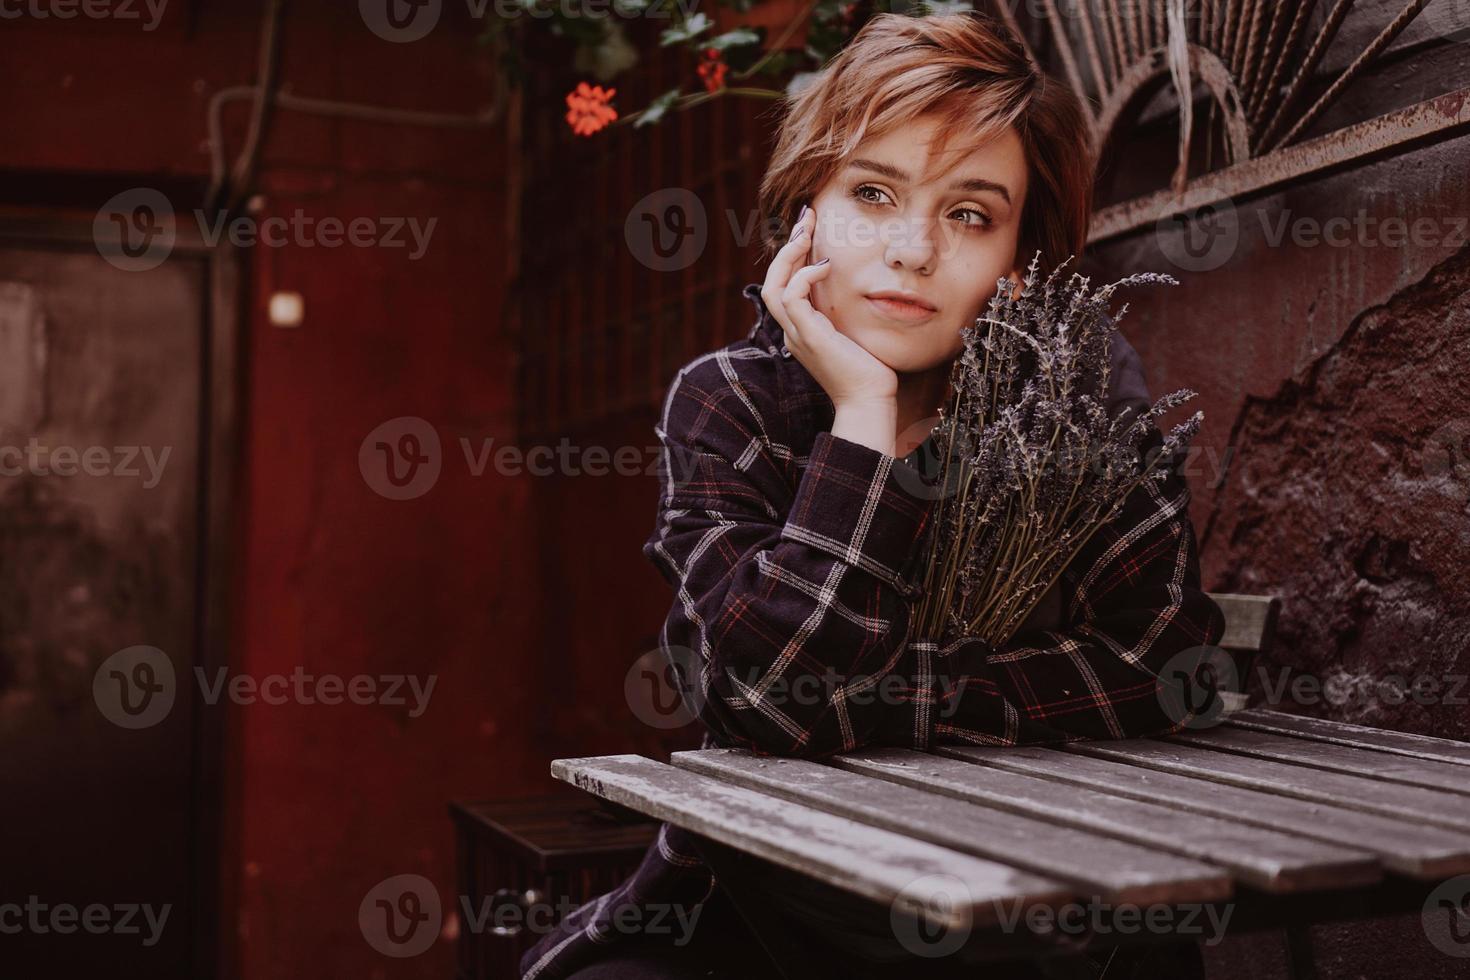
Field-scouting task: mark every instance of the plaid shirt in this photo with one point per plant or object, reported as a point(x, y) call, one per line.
point(796, 556)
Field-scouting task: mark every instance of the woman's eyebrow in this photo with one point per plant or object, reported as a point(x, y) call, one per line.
point(893, 173)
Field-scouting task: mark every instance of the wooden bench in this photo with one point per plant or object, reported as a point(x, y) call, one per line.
point(1266, 821)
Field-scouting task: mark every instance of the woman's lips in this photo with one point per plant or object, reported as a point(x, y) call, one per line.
point(899, 310)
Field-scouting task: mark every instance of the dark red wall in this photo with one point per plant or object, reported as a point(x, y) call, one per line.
point(323, 802)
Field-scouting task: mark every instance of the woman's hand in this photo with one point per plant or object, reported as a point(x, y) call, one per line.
point(863, 389)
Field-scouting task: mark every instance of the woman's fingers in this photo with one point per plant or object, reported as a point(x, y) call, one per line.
point(812, 326)
point(788, 259)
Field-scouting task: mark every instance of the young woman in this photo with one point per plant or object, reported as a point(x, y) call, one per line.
point(927, 160)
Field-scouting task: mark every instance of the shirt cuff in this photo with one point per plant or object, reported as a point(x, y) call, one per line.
point(864, 507)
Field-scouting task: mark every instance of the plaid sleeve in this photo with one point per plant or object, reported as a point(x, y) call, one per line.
point(791, 606)
point(1133, 601)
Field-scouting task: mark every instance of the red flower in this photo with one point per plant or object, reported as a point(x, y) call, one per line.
point(712, 69)
point(588, 110)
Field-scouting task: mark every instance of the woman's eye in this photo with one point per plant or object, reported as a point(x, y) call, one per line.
point(869, 194)
point(981, 220)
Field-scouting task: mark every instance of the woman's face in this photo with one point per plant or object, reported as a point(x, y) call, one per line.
point(946, 242)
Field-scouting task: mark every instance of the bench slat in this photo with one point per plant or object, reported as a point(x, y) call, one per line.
point(877, 864)
point(1266, 859)
point(1119, 871)
point(1337, 758)
point(1430, 853)
point(1342, 733)
point(1268, 775)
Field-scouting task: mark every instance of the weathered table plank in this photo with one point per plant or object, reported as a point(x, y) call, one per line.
point(1268, 775)
point(1267, 859)
point(886, 867)
point(1337, 758)
point(1096, 865)
point(1414, 849)
point(1342, 733)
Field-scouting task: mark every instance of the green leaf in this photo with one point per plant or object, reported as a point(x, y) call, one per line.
point(936, 8)
point(657, 108)
point(691, 28)
point(732, 39)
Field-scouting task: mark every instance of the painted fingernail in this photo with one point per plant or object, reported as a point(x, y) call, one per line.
point(804, 209)
point(824, 261)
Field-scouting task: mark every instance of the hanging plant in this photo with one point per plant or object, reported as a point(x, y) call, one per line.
point(763, 49)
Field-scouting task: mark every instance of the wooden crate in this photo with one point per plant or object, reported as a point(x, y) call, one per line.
point(551, 852)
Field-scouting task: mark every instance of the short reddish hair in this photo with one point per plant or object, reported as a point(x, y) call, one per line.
point(970, 69)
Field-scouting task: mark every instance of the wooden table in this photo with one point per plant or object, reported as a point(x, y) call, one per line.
point(1267, 820)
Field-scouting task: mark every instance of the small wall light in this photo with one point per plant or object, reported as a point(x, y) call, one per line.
point(287, 309)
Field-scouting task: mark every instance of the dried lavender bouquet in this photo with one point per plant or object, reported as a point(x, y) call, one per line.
point(1031, 463)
